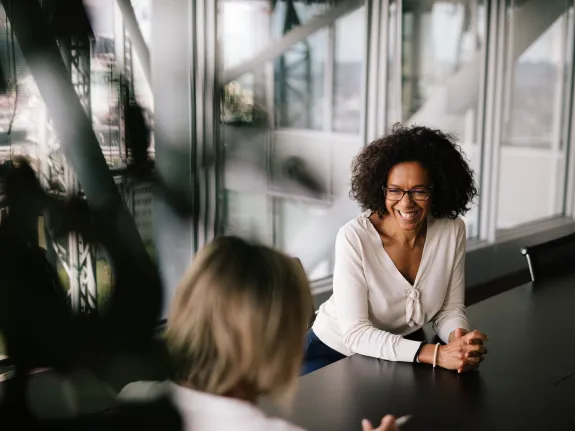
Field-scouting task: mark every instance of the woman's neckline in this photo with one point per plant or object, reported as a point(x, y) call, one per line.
point(386, 259)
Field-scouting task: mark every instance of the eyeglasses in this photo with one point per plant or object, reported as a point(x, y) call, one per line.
point(395, 194)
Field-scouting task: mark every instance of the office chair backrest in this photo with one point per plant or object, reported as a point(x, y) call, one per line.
point(551, 258)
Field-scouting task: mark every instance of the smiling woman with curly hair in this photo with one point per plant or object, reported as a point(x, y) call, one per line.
point(401, 264)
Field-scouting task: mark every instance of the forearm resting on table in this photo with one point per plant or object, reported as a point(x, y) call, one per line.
point(365, 339)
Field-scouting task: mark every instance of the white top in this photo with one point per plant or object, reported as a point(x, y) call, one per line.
point(373, 306)
point(201, 411)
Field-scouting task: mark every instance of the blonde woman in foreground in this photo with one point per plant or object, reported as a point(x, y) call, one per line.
point(235, 333)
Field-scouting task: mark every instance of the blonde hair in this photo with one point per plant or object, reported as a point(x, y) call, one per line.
point(238, 319)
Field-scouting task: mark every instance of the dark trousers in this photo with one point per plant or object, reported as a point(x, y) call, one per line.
point(317, 355)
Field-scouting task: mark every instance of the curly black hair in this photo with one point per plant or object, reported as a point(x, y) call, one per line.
point(454, 187)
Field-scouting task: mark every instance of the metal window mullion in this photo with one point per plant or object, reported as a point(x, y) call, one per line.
point(480, 117)
point(569, 121)
point(211, 161)
point(558, 182)
point(374, 28)
point(494, 105)
point(560, 87)
point(195, 124)
point(565, 91)
point(199, 43)
point(329, 80)
point(365, 72)
point(398, 63)
point(272, 214)
point(503, 94)
point(382, 93)
point(273, 222)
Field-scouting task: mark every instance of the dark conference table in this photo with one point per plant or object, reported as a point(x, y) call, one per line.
point(527, 381)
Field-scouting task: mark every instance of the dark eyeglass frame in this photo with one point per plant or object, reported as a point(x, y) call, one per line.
point(409, 192)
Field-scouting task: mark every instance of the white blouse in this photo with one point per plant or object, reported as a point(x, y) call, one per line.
point(201, 411)
point(373, 306)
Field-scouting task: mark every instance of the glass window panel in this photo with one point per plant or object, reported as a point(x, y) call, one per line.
point(348, 72)
point(533, 112)
point(245, 30)
point(291, 217)
point(300, 71)
point(248, 215)
point(441, 42)
point(105, 87)
point(104, 81)
point(21, 107)
point(143, 11)
point(24, 114)
point(299, 84)
point(289, 14)
point(532, 118)
point(238, 101)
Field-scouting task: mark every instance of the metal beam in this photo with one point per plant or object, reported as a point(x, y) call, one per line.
point(74, 127)
point(291, 38)
point(136, 37)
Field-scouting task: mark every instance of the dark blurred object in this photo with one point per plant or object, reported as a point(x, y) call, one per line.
point(140, 165)
point(295, 169)
point(68, 18)
point(40, 330)
point(137, 131)
point(38, 326)
point(156, 415)
point(4, 86)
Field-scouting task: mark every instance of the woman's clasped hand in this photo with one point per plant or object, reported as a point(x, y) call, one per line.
point(464, 352)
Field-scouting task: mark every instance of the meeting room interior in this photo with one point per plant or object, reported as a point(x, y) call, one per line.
point(321, 215)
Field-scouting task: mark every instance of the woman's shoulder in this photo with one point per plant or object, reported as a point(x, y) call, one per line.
point(448, 226)
point(356, 228)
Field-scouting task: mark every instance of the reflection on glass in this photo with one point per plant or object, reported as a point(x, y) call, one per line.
point(245, 30)
point(292, 215)
point(299, 84)
point(348, 72)
point(143, 12)
point(300, 71)
point(292, 13)
point(442, 55)
point(20, 103)
point(533, 113)
point(248, 215)
point(238, 101)
point(534, 104)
